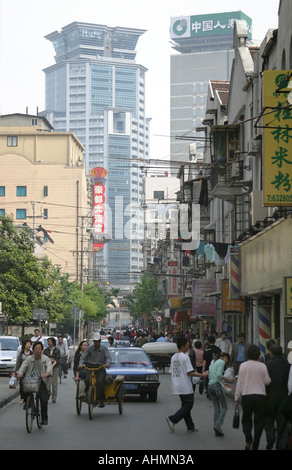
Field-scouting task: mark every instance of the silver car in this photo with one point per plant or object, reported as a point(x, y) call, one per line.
point(8, 352)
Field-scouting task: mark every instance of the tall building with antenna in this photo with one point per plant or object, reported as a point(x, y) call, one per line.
point(97, 90)
point(204, 51)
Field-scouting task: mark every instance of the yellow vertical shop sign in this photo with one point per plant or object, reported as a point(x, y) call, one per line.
point(277, 174)
point(288, 295)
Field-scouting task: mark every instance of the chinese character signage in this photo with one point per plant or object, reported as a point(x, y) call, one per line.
point(172, 270)
point(230, 305)
point(277, 162)
point(207, 25)
point(204, 305)
point(288, 295)
point(99, 179)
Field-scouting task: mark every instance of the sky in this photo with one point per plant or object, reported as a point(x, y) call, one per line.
point(25, 53)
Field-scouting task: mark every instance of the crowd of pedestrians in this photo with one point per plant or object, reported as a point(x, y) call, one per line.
point(263, 386)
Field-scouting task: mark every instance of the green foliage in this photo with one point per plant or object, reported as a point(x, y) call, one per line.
point(146, 298)
point(27, 283)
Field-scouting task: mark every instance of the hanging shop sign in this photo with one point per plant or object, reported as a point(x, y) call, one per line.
point(172, 270)
point(277, 174)
point(288, 294)
point(203, 303)
point(230, 305)
point(99, 181)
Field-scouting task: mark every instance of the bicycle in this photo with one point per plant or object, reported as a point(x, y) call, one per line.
point(114, 393)
point(32, 405)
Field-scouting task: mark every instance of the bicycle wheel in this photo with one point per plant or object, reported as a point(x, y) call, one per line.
point(78, 400)
point(38, 412)
point(29, 412)
point(91, 402)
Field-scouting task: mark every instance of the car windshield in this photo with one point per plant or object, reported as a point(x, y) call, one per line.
point(8, 344)
point(129, 356)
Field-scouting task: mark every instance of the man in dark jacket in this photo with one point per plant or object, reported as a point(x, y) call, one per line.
point(238, 353)
point(277, 392)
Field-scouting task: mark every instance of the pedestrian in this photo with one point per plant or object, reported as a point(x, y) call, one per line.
point(53, 353)
point(277, 392)
point(210, 352)
point(37, 337)
point(22, 355)
point(270, 343)
point(182, 371)
point(63, 348)
point(216, 392)
point(199, 364)
point(251, 385)
point(39, 365)
point(224, 343)
point(238, 353)
point(111, 341)
point(80, 350)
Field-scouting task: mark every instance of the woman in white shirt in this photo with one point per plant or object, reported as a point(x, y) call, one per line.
point(251, 386)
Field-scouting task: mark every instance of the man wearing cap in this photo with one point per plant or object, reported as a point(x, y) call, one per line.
point(94, 356)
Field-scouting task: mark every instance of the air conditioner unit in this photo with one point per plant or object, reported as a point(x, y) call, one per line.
point(258, 212)
point(235, 171)
point(254, 147)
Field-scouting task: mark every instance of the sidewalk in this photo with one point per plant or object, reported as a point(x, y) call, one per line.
point(7, 394)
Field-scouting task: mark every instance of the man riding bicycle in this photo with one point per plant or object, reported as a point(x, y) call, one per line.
point(94, 356)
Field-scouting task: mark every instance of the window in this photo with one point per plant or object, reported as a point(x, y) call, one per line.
point(45, 213)
point(21, 191)
point(34, 122)
point(2, 191)
point(20, 213)
point(158, 195)
point(12, 141)
point(2, 212)
point(46, 191)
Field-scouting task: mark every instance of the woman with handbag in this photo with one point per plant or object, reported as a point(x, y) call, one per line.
point(216, 390)
point(253, 377)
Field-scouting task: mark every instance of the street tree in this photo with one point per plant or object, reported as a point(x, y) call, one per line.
point(146, 299)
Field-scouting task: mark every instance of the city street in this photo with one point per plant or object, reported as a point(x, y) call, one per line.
point(142, 426)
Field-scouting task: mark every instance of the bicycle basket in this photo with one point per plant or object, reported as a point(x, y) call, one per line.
point(31, 384)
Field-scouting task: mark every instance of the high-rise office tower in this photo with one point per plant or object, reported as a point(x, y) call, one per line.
point(205, 52)
point(97, 90)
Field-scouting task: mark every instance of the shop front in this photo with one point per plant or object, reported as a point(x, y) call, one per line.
point(265, 273)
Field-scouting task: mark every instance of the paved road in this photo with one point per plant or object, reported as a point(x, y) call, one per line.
point(142, 426)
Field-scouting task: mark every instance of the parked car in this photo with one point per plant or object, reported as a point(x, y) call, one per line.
point(140, 377)
point(8, 352)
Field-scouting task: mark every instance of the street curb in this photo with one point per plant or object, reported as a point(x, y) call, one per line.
point(4, 401)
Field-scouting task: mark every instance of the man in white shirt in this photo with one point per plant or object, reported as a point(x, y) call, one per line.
point(223, 343)
point(181, 374)
point(37, 337)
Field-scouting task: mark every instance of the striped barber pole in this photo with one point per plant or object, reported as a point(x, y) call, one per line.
point(265, 312)
point(234, 291)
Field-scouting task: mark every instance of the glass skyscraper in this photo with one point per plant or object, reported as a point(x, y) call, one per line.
point(97, 90)
point(205, 52)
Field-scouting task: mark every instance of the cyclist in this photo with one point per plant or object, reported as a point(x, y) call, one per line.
point(39, 365)
point(93, 357)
